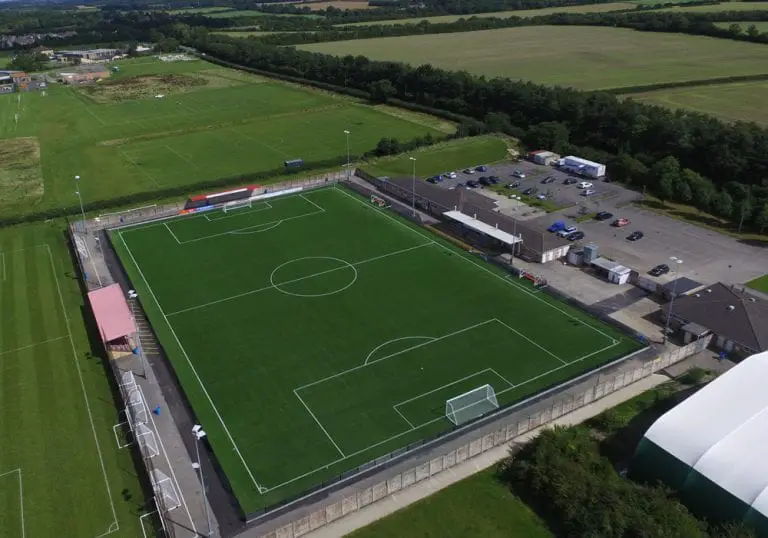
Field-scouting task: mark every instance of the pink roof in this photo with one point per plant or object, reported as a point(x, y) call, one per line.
point(112, 313)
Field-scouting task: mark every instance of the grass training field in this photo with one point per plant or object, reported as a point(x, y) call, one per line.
point(313, 333)
point(61, 473)
point(729, 102)
point(211, 123)
point(476, 506)
point(581, 57)
point(760, 284)
point(588, 8)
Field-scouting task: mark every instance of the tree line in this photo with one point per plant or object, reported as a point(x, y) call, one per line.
point(713, 158)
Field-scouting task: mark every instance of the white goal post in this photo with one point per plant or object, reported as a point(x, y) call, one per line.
point(471, 405)
point(237, 204)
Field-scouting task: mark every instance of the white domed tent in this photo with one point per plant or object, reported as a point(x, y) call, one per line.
point(713, 447)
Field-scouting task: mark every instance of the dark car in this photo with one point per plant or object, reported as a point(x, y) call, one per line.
point(432, 179)
point(460, 185)
point(494, 179)
point(603, 215)
point(530, 191)
point(570, 181)
point(575, 236)
point(472, 184)
point(659, 270)
point(484, 181)
point(548, 179)
point(634, 236)
point(513, 184)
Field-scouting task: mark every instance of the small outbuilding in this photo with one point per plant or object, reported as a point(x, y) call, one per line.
point(612, 271)
point(543, 157)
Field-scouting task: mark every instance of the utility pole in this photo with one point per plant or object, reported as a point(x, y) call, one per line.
point(80, 197)
point(346, 134)
point(677, 261)
point(199, 433)
point(413, 186)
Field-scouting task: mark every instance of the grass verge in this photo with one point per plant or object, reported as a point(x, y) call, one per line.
point(759, 284)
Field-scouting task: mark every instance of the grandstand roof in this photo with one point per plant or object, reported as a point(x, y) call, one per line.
point(111, 312)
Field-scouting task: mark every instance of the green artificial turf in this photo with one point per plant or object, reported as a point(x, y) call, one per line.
point(477, 506)
point(61, 472)
point(212, 123)
point(313, 333)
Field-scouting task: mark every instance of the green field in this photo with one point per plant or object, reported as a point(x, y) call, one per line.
point(212, 123)
point(729, 102)
point(5, 59)
point(317, 333)
point(478, 506)
point(760, 284)
point(762, 26)
point(581, 57)
point(588, 8)
point(724, 6)
point(61, 473)
point(452, 155)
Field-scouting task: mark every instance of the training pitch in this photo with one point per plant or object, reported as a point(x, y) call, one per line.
point(313, 333)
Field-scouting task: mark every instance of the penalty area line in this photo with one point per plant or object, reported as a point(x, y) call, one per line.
point(21, 498)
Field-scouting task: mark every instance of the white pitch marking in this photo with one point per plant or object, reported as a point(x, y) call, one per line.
point(432, 338)
point(171, 232)
point(22, 348)
point(328, 435)
point(21, 497)
point(545, 350)
point(2, 257)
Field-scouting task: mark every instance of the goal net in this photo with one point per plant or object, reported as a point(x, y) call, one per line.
point(470, 405)
point(237, 204)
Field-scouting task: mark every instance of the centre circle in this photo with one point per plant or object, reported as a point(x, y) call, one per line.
point(341, 266)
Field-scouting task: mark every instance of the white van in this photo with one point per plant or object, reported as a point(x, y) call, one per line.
point(585, 185)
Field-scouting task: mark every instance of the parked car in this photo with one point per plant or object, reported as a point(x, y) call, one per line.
point(634, 236)
point(588, 192)
point(575, 236)
point(556, 226)
point(432, 179)
point(481, 168)
point(472, 184)
point(659, 270)
point(530, 191)
point(469, 171)
point(547, 180)
point(603, 215)
point(585, 185)
point(570, 180)
point(513, 185)
point(451, 175)
point(460, 185)
point(518, 174)
point(619, 223)
point(494, 179)
point(484, 180)
point(568, 230)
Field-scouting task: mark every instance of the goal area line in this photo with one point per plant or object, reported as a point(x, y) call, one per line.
point(510, 386)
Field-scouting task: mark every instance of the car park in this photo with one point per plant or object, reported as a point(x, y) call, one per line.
point(529, 191)
point(659, 270)
point(603, 215)
point(585, 185)
point(518, 174)
point(619, 223)
point(588, 192)
point(634, 236)
point(575, 236)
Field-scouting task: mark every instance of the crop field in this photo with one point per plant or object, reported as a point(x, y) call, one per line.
point(58, 455)
point(318, 332)
point(588, 8)
point(210, 123)
point(724, 6)
point(730, 102)
point(582, 57)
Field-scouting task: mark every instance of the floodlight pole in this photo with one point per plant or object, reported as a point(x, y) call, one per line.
point(346, 135)
point(80, 197)
point(677, 262)
point(199, 434)
point(413, 187)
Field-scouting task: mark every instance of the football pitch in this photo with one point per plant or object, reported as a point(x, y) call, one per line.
point(313, 333)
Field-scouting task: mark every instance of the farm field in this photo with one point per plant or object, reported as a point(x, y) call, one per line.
point(211, 123)
point(724, 6)
point(729, 102)
point(58, 454)
point(613, 57)
point(476, 506)
point(588, 8)
point(762, 26)
point(308, 347)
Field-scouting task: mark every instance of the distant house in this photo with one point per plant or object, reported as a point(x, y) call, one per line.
point(89, 56)
point(84, 74)
point(737, 318)
point(15, 81)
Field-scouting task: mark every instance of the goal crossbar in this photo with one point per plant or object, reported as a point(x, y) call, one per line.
point(471, 405)
point(237, 204)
